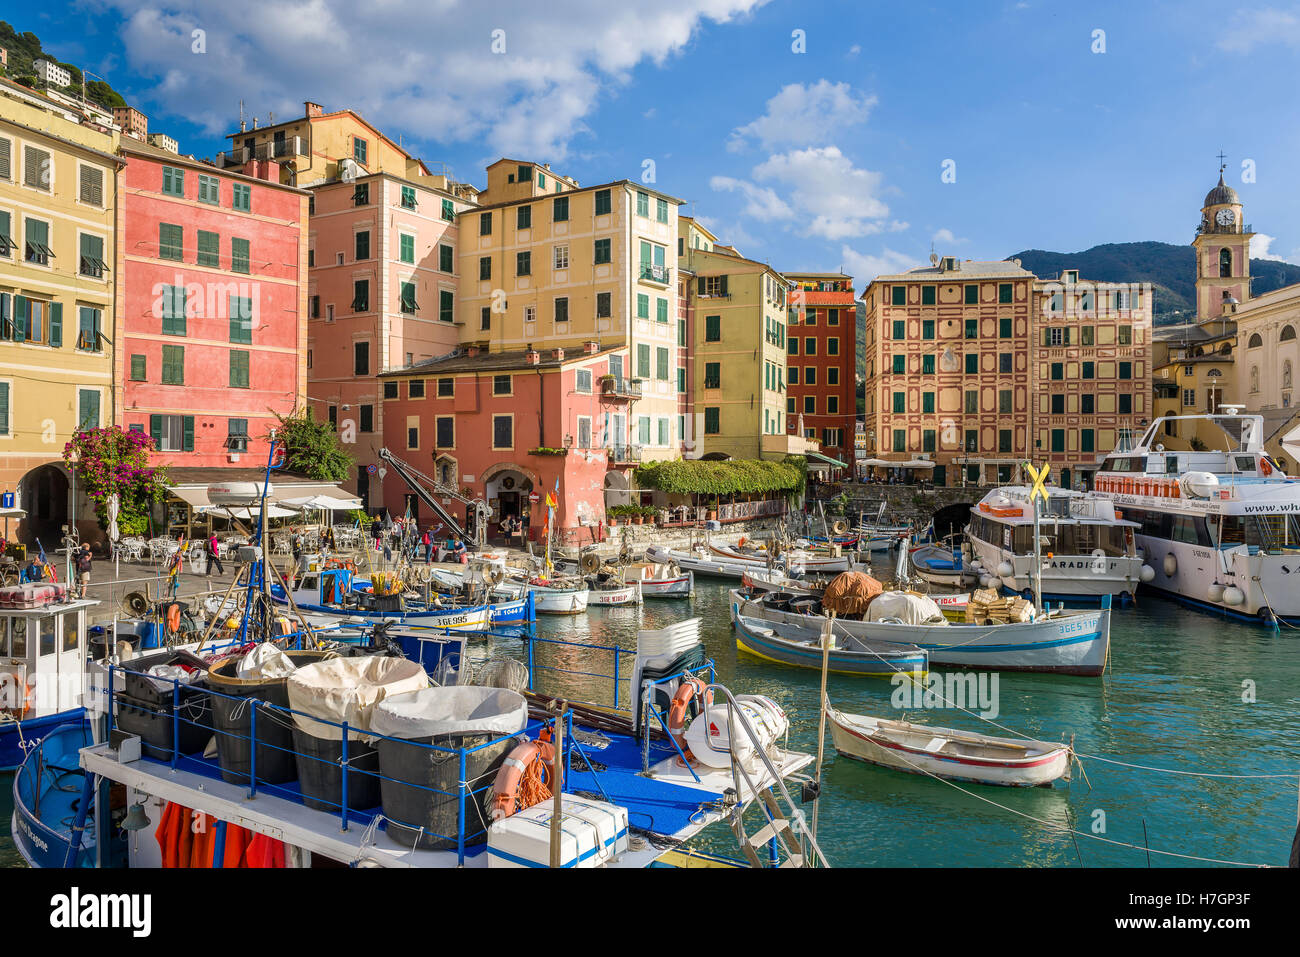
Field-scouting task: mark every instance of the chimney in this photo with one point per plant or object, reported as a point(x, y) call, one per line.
point(472, 350)
point(557, 354)
point(312, 109)
point(532, 356)
point(268, 170)
point(591, 347)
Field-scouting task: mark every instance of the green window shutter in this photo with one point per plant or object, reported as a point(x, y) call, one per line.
point(448, 210)
point(155, 430)
point(241, 197)
point(56, 325)
point(446, 306)
point(643, 361)
point(138, 368)
point(171, 242)
point(238, 369)
point(444, 258)
point(188, 432)
point(661, 310)
point(20, 318)
point(87, 409)
point(209, 249)
point(239, 255)
point(408, 249)
point(241, 319)
point(4, 408)
point(6, 316)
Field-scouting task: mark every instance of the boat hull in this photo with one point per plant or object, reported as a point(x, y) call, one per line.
point(625, 595)
point(469, 618)
point(856, 741)
point(1071, 645)
point(29, 732)
point(678, 587)
point(883, 663)
point(38, 798)
point(559, 601)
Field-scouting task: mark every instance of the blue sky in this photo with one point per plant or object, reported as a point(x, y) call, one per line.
point(823, 159)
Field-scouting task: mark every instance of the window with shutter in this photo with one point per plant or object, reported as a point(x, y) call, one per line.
point(361, 295)
point(524, 217)
point(38, 241)
point(171, 240)
point(448, 210)
point(6, 159)
point(173, 365)
point(241, 197)
point(173, 181)
point(445, 263)
point(602, 252)
point(92, 256)
point(87, 408)
point(92, 186)
point(7, 244)
point(173, 310)
point(88, 325)
point(138, 368)
point(409, 305)
point(209, 189)
point(446, 306)
point(239, 255)
point(603, 202)
point(4, 408)
point(239, 368)
point(361, 194)
point(362, 244)
point(560, 210)
point(37, 171)
point(56, 325)
point(503, 432)
point(408, 197)
point(209, 249)
point(241, 319)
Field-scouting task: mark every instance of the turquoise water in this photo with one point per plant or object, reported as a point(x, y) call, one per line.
point(1172, 699)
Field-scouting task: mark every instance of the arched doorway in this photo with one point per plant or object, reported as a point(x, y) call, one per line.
point(617, 489)
point(44, 494)
point(506, 489)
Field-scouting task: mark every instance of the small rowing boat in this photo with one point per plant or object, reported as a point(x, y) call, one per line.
point(802, 647)
point(559, 596)
point(943, 566)
point(946, 753)
point(612, 593)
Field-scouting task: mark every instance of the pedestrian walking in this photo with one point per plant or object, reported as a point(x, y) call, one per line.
point(214, 557)
point(83, 568)
point(427, 542)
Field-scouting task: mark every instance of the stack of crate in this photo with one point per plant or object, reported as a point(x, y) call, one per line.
point(987, 607)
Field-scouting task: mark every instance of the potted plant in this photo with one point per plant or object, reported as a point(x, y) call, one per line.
point(638, 514)
point(611, 516)
point(712, 513)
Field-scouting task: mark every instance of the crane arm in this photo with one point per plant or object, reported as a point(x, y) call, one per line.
point(421, 485)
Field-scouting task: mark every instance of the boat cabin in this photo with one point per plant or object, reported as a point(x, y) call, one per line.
point(43, 659)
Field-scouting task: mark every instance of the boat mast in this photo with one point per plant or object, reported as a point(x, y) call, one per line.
point(1037, 491)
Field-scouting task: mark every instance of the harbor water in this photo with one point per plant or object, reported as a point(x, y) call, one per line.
point(1185, 692)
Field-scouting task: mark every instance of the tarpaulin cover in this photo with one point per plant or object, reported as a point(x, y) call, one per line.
point(907, 607)
point(265, 661)
point(347, 690)
point(463, 709)
point(850, 593)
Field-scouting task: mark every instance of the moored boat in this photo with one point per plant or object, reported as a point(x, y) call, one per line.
point(610, 593)
point(943, 566)
point(948, 753)
point(559, 596)
point(800, 645)
point(47, 792)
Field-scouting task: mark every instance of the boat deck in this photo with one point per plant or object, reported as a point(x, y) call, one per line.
point(668, 802)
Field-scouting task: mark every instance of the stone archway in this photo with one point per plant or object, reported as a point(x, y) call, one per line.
point(44, 493)
point(618, 490)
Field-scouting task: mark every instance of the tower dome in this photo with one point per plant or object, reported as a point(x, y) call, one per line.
point(1221, 195)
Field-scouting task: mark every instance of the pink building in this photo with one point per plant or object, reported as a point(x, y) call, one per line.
point(506, 426)
point(382, 296)
point(211, 301)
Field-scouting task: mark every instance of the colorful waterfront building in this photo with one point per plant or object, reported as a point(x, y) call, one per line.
point(509, 427)
point(821, 364)
point(383, 296)
point(213, 302)
point(59, 226)
point(949, 372)
point(740, 315)
point(546, 263)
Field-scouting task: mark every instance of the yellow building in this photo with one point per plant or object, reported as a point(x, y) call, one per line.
point(548, 263)
point(59, 229)
point(738, 309)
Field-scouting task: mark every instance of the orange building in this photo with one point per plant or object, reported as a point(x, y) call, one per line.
point(821, 364)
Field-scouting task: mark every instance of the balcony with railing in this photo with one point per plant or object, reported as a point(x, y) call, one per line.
point(618, 387)
point(286, 148)
point(623, 454)
point(656, 273)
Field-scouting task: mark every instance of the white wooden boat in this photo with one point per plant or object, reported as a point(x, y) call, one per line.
point(802, 647)
point(947, 753)
point(775, 581)
point(557, 597)
point(1070, 644)
point(798, 560)
point(660, 579)
point(610, 594)
point(708, 566)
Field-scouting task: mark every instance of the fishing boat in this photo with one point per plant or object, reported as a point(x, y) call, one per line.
point(1090, 549)
point(774, 581)
point(706, 565)
point(659, 579)
point(1068, 644)
point(559, 596)
point(801, 646)
point(800, 561)
point(947, 753)
point(943, 566)
point(1219, 526)
point(877, 535)
point(614, 593)
point(42, 665)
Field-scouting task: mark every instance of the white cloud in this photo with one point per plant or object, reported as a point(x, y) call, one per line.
point(422, 67)
point(864, 267)
point(945, 235)
point(804, 116)
point(761, 203)
point(833, 198)
point(855, 49)
point(1259, 247)
point(1259, 28)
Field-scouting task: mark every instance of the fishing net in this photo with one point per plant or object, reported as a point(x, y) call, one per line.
point(849, 593)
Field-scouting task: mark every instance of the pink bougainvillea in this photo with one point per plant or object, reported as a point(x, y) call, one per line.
point(116, 460)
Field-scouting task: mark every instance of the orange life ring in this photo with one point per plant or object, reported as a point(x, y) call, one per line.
point(1264, 468)
point(518, 777)
point(174, 618)
point(690, 688)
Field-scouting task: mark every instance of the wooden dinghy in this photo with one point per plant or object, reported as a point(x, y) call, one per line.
point(947, 753)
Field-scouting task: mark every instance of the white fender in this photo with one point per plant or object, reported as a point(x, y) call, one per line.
point(1171, 565)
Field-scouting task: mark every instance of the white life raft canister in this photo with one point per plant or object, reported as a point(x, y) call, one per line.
point(708, 739)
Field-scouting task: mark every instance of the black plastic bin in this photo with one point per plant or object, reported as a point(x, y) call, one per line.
point(334, 691)
point(420, 786)
point(154, 723)
point(232, 716)
point(139, 685)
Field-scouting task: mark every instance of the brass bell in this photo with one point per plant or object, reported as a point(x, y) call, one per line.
point(136, 819)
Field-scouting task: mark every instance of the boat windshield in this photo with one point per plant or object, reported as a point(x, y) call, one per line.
point(1075, 539)
point(1275, 534)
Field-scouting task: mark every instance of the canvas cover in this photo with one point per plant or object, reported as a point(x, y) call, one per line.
point(347, 690)
point(463, 709)
point(265, 661)
point(910, 608)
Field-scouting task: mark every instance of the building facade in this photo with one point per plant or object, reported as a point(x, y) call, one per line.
point(383, 295)
point(821, 362)
point(213, 304)
point(59, 228)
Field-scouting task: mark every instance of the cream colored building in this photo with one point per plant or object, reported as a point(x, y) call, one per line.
point(59, 259)
point(548, 263)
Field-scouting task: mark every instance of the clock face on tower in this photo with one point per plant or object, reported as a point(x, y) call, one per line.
point(1225, 217)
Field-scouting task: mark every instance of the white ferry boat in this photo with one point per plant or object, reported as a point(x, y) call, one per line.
point(1088, 550)
point(1221, 527)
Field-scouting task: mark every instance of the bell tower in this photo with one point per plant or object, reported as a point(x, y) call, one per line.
point(1222, 252)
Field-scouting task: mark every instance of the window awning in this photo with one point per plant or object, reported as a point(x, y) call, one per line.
point(296, 495)
point(826, 459)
